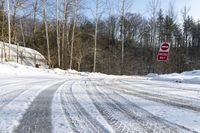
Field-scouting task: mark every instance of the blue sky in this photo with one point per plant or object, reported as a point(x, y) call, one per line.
point(194, 5)
point(141, 6)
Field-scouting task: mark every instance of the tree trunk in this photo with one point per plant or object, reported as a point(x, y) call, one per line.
point(95, 36)
point(22, 30)
point(79, 65)
point(58, 32)
point(63, 34)
point(2, 33)
point(63, 45)
point(47, 35)
point(73, 32)
point(17, 52)
point(123, 37)
point(35, 23)
point(14, 22)
point(9, 32)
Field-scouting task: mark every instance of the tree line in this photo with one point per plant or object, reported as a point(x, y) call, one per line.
point(110, 39)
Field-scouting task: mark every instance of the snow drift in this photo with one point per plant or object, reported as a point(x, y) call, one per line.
point(26, 56)
point(185, 77)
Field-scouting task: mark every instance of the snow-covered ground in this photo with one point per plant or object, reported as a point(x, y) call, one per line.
point(58, 101)
point(185, 77)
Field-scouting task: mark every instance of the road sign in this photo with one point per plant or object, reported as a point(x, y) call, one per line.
point(165, 47)
point(163, 54)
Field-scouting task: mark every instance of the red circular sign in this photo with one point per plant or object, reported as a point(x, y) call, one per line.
point(165, 46)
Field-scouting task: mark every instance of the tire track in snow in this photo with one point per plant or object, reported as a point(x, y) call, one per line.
point(109, 115)
point(147, 121)
point(80, 120)
point(173, 101)
point(18, 86)
point(7, 84)
point(59, 119)
point(162, 84)
point(7, 96)
point(16, 81)
point(166, 90)
point(38, 116)
point(119, 121)
point(177, 102)
point(79, 92)
point(13, 112)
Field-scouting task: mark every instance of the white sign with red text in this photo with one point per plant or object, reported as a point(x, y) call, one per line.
point(163, 54)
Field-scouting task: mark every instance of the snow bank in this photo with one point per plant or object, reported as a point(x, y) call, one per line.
point(26, 56)
point(13, 68)
point(185, 77)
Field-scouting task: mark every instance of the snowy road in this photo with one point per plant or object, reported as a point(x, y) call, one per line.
point(87, 104)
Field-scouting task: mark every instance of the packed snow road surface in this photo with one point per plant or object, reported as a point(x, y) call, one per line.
point(90, 104)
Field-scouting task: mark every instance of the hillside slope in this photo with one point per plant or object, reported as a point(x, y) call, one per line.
point(26, 56)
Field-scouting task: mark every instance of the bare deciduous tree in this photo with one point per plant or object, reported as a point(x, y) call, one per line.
point(154, 6)
point(47, 34)
point(75, 6)
point(3, 53)
point(58, 31)
point(124, 6)
point(22, 31)
point(65, 32)
point(9, 32)
point(96, 33)
point(123, 35)
point(35, 6)
point(171, 11)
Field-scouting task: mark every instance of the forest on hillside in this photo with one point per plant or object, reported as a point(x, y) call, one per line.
point(110, 39)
